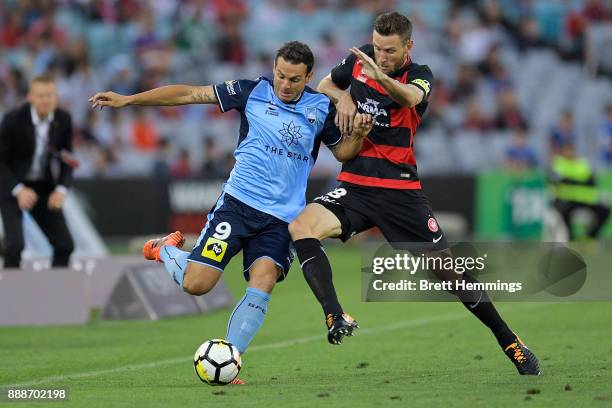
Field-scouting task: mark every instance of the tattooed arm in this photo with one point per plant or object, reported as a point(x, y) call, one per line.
point(163, 96)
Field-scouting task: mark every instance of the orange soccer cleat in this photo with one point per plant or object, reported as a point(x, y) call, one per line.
point(151, 248)
point(237, 381)
point(525, 361)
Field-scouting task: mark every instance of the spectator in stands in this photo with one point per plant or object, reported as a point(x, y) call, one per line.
point(577, 23)
point(331, 52)
point(477, 40)
point(475, 119)
point(509, 116)
point(572, 45)
point(161, 166)
point(144, 132)
point(230, 46)
point(495, 72)
point(106, 164)
point(12, 34)
point(500, 80)
point(213, 159)
point(519, 155)
point(563, 133)
point(492, 61)
point(230, 11)
point(597, 11)
point(112, 130)
point(465, 83)
point(182, 166)
point(529, 35)
point(147, 38)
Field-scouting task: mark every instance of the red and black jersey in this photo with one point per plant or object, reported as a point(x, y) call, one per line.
point(387, 157)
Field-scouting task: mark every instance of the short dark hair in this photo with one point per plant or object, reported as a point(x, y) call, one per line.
point(296, 52)
point(393, 23)
point(43, 78)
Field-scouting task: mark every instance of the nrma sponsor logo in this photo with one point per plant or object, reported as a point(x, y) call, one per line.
point(371, 106)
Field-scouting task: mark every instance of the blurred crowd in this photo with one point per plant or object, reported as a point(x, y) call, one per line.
point(515, 80)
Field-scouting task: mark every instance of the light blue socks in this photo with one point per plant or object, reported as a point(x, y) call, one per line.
point(249, 313)
point(247, 318)
point(175, 262)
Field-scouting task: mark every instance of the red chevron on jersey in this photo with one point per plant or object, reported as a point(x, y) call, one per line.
point(394, 154)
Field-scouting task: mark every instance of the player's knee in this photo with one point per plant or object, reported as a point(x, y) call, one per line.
point(264, 274)
point(440, 272)
point(195, 280)
point(195, 286)
point(300, 228)
point(264, 282)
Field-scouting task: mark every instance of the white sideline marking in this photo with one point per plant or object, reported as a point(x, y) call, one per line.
point(279, 344)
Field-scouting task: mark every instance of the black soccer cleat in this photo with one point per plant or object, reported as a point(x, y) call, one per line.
point(525, 361)
point(338, 326)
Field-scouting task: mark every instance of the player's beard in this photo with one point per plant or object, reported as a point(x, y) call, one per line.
point(401, 62)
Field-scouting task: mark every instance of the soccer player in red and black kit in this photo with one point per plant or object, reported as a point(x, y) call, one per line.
point(380, 187)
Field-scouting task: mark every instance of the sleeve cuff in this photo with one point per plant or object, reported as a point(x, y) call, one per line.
point(17, 189)
point(330, 145)
point(218, 99)
point(61, 189)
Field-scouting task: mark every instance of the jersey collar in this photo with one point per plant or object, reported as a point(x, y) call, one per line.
point(401, 69)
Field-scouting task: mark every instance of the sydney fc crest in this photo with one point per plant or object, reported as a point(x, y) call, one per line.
point(311, 114)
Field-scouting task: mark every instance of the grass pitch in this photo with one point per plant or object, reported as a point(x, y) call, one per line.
point(416, 354)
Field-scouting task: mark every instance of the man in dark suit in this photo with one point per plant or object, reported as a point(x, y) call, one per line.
point(35, 140)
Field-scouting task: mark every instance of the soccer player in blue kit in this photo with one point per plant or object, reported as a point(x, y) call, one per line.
point(282, 124)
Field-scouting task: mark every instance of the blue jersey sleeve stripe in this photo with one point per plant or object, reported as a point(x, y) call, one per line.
point(330, 130)
point(218, 98)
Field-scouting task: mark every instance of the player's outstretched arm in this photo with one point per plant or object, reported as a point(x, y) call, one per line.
point(345, 107)
point(169, 95)
point(350, 145)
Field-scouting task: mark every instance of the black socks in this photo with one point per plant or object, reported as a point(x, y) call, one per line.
point(480, 305)
point(317, 272)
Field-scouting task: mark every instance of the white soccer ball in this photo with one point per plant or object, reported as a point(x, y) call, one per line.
point(217, 362)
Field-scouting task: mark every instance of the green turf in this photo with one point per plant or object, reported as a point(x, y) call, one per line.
point(406, 354)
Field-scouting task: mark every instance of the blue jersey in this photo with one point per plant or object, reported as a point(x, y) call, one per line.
point(277, 146)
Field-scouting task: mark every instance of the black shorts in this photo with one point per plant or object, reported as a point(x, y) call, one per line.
point(403, 216)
